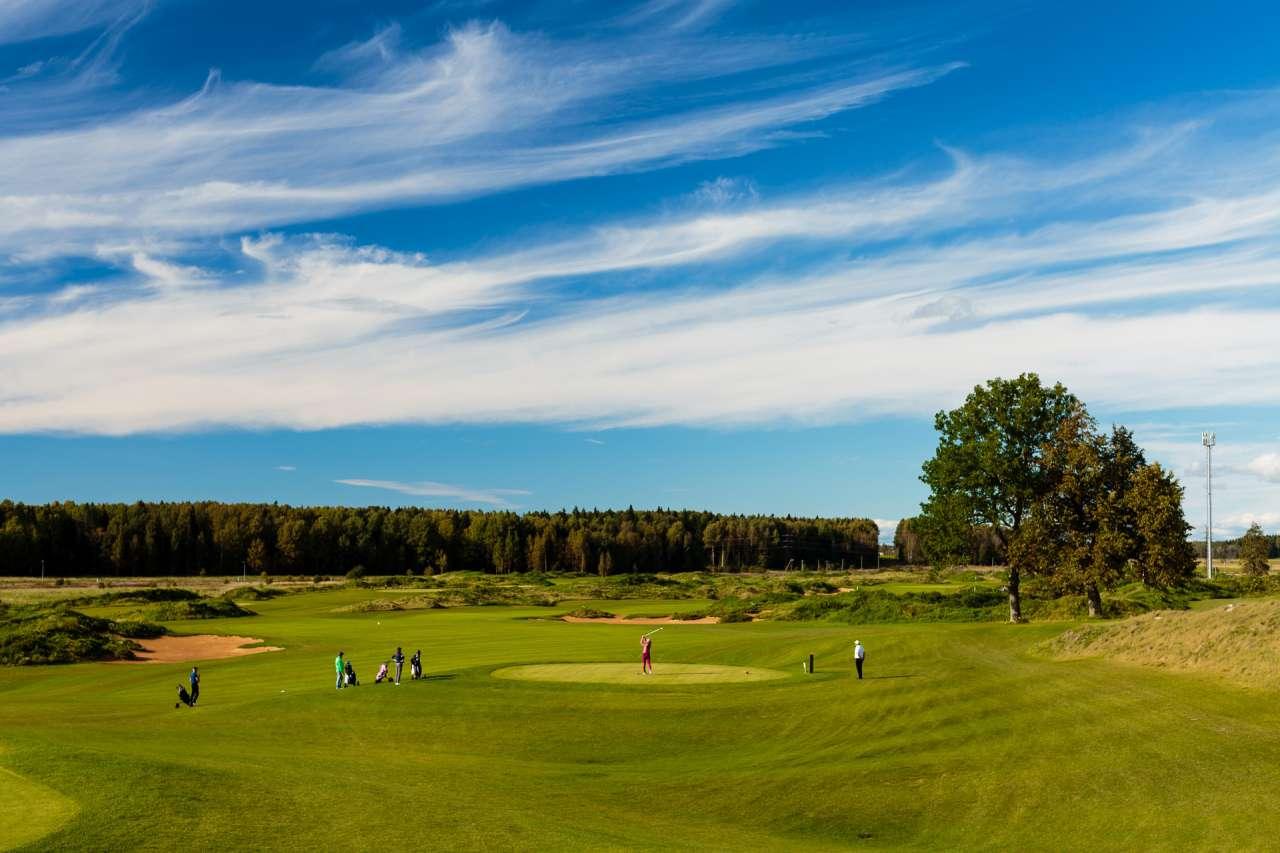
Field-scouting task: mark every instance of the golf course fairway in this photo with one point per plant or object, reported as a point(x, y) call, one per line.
point(962, 736)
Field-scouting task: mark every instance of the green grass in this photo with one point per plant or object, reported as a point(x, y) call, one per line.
point(964, 736)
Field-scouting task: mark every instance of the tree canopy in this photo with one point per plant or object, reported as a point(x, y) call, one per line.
point(989, 467)
point(1079, 508)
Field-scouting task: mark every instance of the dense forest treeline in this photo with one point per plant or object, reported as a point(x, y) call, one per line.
point(1229, 549)
point(984, 548)
point(161, 539)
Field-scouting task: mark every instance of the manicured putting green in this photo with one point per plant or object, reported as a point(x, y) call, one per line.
point(629, 673)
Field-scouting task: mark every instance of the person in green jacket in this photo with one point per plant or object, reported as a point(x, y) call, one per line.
point(341, 667)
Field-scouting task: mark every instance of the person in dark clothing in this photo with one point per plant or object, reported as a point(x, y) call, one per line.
point(184, 698)
point(194, 678)
point(415, 665)
point(352, 681)
point(398, 657)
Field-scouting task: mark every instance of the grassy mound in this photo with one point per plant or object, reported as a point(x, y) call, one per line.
point(147, 595)
point(42, 635)
point(256, 593)
point(1240, 642)
point(200, 608)
point(386, 605)
point(590, 613)
point(869, 605)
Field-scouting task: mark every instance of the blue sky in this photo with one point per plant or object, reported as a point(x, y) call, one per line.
point(703, 253)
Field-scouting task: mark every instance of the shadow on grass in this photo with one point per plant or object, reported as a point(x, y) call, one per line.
point(447, 677)
point(878, 677)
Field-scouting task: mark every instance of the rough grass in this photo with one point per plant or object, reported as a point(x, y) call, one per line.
point(870, 605)
point(1239, 641)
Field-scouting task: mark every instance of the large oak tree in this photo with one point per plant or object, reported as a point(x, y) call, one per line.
point(990, 463)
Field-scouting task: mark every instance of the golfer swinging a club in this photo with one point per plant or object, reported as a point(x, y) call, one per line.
point(646, 655)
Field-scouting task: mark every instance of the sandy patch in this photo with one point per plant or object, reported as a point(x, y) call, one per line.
point(199, 647)
point(648, 620)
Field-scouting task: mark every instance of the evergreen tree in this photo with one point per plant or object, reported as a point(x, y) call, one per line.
point(1254, 550)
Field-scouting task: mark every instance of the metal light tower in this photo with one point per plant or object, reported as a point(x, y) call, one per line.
point(1208, 439)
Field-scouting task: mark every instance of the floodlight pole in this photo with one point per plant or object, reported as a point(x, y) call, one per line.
point(1208, 439)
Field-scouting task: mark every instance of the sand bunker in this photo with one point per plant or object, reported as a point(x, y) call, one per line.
point(629, 673)
point(645, 620)
point(199, 647)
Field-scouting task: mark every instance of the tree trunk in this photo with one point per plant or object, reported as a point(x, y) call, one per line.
point(1095, 600)
point(1015, 595)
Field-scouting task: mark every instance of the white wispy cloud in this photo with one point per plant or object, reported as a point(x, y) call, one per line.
point(677, 14)
point(327, 333)
point(429, 489)
point(286, 468)
point(26, 20)
point(487, 110)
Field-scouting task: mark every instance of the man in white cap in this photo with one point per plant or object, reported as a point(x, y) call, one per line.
point(859, 655)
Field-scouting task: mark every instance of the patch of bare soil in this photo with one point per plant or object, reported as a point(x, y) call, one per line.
point(647, 620)
point(199, 647)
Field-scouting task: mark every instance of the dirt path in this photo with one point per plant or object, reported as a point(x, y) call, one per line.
point(648, 620)
point(200, 647)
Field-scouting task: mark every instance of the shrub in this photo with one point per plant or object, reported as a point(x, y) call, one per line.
point(356, 573)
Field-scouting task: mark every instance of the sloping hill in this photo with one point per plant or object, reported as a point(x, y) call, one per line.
point(1237, 641)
